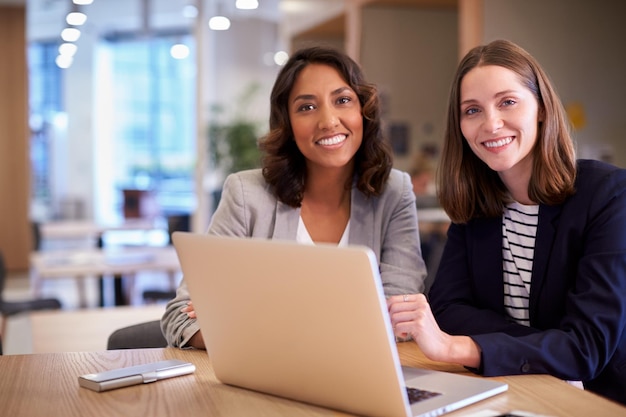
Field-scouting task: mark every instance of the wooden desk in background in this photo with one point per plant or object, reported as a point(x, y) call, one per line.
point(47, 384)
point(85, 330)
point(69, 229)
point(90, 234)
point(80, 264)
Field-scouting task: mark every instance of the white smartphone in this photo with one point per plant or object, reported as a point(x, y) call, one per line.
point(134, 375)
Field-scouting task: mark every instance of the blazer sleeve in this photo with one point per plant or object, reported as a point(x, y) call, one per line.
point(229, 219)
point(176, 326)
point(402, 267)
point(234, 215)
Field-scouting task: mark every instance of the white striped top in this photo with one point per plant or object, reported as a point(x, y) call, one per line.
point(519, 228)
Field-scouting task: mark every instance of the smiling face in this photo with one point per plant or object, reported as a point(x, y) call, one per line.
point(326, 119)
point(499, 120)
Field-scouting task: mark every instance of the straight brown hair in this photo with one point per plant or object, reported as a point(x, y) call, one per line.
point(467, 187)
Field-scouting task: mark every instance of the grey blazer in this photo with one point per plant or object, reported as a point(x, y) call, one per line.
point(387, 224)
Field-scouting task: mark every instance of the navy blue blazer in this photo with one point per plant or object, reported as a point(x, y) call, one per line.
point(577, 295)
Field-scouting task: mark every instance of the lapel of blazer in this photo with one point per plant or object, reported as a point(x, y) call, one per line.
point(286, 226)
point(486, 258)
point(361, 219)
point(546, 231)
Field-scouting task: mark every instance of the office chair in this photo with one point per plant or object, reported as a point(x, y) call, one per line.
point(138, 336)
point(10, 308)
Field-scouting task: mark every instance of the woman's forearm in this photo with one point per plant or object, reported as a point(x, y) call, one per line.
point(464, 351)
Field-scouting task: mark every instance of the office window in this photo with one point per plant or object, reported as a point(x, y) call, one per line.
point(46, 111)
point(148, 113)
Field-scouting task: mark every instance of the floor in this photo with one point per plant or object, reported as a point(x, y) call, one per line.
point(18, 337)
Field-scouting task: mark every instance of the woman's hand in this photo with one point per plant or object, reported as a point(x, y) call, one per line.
point(411, 316)
point(196, 340)
point(189, 310)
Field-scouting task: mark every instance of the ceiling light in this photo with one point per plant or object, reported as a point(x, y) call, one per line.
point(70, 34)
point(82, 2)
point(76, 18)
point(219, 23)
point(247, 4)
point(68, 49)
point(179, 51)
point(64, 61)
point(281, 57)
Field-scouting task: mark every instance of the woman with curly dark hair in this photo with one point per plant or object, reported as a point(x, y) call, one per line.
point(284, 163)
point(327, 177)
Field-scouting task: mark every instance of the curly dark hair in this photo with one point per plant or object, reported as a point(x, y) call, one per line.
point(284, 166)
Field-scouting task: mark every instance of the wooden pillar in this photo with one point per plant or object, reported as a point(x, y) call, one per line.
point(470, 25)
point(15, 230)
point(353, 29)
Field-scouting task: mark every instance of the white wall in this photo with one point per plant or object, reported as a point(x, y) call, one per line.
point(580, 43)
point(411, 53)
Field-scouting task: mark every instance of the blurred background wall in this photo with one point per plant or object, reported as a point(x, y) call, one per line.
point(112, 128)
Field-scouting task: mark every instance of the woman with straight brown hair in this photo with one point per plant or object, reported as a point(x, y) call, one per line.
point(533, 276)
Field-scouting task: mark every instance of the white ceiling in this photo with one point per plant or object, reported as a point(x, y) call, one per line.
point(294, 15)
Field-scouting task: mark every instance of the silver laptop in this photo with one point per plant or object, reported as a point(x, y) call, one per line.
point(310, 323)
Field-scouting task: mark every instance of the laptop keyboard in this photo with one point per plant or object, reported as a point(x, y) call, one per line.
point(417, 395)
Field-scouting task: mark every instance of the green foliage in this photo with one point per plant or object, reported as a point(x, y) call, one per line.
point(233, 142)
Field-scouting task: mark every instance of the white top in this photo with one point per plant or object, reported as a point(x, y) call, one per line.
point(519, 228)
point(303, 236)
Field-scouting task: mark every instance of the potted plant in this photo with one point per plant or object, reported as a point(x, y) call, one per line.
point(233, 140)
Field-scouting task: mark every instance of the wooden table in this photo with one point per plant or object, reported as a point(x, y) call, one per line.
point(46, 384)
point(85, 330)
point(78, 229)
point(79, 264)
point(539, 394)
point(64, 234)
